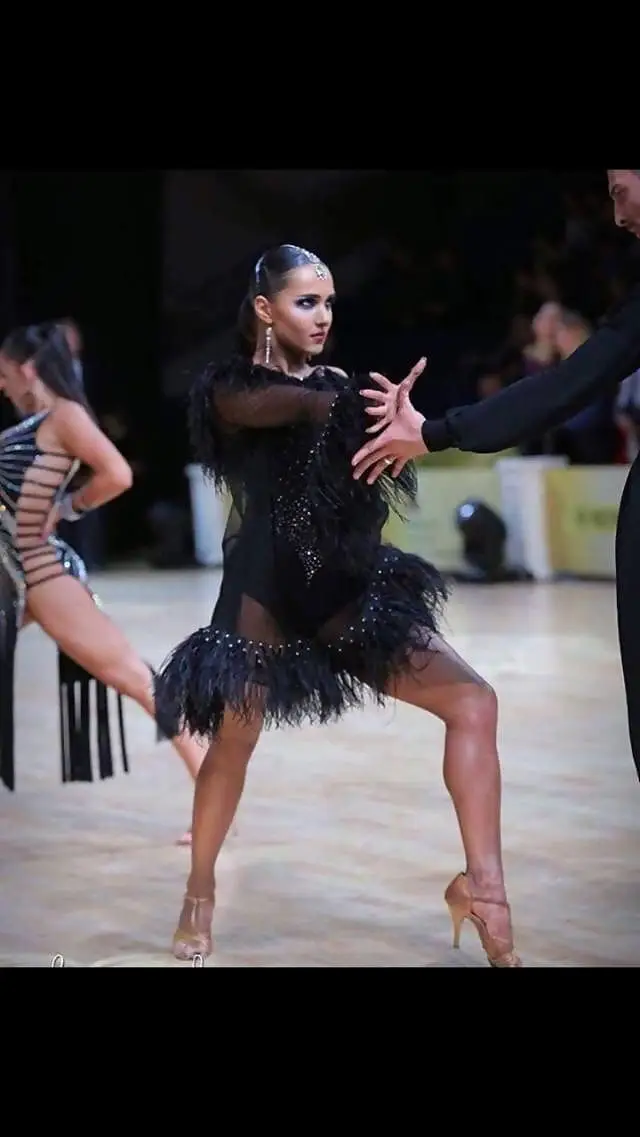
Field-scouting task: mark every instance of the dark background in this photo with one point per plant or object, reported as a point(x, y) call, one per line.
point(153, 266)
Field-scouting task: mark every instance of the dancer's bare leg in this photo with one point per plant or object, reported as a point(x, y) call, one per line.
point(65, 610)
point(450, 689)
point(219, 788)
point(187, 837)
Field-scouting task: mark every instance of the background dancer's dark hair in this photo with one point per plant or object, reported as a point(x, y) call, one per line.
point(46, 346)
point(268, 278)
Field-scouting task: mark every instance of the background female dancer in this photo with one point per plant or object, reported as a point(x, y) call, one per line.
point(57, 463)
point(314, 611)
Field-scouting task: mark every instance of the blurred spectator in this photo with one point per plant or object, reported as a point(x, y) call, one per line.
point(530, 346)
point(542, 351)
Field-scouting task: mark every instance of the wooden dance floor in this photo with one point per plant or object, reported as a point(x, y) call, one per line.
point(346, 837)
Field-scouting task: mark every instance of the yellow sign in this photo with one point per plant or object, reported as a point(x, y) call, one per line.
point(582, 514)
point(459, 459)
point(431, 530)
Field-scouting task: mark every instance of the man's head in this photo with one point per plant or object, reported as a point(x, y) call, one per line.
point(624, 188)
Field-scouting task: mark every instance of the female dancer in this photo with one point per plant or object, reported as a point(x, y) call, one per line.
point(57, 463)
point(314, 610)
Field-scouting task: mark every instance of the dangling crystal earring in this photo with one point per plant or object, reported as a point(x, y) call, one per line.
point(267, 347)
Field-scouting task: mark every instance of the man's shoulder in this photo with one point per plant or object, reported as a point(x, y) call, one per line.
point(615, 344)
point(625, 312)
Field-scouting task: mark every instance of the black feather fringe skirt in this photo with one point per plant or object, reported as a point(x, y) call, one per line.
point(314, 679)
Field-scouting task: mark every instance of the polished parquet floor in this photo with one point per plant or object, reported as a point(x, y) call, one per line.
point(346, 837)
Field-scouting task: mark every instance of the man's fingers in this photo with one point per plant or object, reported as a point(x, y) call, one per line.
point(373, 466)
point(417, 368)
point(377, 412)
point(398, 467)
point(388, 387)
point(376, 396)
point(378, 426)
point(408, 382)
point(379, 468)
point(368, 458)
point(382, 380)
point(369, 448)
point(365, 466)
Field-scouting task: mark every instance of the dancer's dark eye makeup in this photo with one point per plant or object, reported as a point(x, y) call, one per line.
point(311, 301)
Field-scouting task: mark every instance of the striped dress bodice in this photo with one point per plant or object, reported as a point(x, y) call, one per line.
point(31, 481)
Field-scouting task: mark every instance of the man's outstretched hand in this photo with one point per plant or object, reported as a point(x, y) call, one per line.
point(393, 447)
point(385, 403)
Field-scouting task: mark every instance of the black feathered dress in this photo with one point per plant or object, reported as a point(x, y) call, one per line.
point(315, 611)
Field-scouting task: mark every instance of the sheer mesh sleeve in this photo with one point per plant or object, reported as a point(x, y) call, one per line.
point(275, 404)
point(311, 466)
point(236, 396)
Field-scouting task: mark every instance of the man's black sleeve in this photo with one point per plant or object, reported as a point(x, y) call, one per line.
point(540, 402)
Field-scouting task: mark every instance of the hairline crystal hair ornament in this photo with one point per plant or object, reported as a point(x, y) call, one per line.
point(322, 272)
point(321, 269)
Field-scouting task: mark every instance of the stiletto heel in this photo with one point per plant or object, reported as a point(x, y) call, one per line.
point(191, 942)
point(460, 902)
point(457, 919)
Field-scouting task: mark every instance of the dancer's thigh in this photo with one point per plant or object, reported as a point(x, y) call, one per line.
point(440, 681)
point(65, 610)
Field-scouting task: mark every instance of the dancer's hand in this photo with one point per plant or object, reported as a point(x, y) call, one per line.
point(390, 398)
point(400, 442)
point(52, 522)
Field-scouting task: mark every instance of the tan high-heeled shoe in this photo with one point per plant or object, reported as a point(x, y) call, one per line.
point(460, 902)
point(190, 942)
